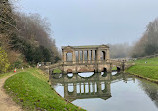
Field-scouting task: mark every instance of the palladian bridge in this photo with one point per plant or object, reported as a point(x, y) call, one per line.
point(86, 59)
point(94, 58)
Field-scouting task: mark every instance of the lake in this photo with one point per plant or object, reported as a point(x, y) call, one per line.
point(107, 91)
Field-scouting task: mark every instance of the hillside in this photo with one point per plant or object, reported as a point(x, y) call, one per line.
point(24, 39)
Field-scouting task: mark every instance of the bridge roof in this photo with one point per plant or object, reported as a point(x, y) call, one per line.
point(87, 46)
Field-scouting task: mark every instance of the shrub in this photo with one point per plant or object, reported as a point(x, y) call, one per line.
point(4, 64)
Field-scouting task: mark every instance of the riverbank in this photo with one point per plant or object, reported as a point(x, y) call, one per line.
point(31, 90)
point(145, 68)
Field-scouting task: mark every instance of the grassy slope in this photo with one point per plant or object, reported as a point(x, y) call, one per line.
point(149, 69)
point(31, 90)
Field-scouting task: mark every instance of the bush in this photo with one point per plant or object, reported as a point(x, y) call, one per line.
point(4, 64)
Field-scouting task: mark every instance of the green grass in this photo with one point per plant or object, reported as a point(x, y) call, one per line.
point(5, 74)
point(31, 90)
point(150, 61)
point(9, 73)
point(147, 70)
point(58, 71)
point(114, 68)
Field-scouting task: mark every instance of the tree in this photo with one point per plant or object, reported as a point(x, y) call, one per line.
point(36, 31)
point(148, 43)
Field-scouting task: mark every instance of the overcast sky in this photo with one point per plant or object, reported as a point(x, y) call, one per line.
point(94, 22)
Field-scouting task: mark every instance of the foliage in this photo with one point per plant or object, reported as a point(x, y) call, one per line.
point(148, 44)
point(4, 64)
point(7, 24)
point(146, 68)
point(31, 90)
point(36, 31)
point(24, 35)
point(33, 54)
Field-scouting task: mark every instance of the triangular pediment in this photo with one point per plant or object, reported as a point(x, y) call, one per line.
point(67, 47)
point(104, 46)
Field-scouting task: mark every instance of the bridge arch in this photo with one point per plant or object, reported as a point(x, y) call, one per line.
point(69, 71)
point(118, 68)
point(70, 75)
point(104, 69)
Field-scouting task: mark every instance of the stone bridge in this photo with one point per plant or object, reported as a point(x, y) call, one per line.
point(95, 86)
point(95, 58)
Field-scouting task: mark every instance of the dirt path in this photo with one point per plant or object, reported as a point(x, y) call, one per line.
point(6, 103)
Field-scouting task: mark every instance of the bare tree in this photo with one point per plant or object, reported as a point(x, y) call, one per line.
point(148, 43)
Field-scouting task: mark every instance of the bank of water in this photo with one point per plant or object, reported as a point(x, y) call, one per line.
point(30, 89)
point(107, 92)
point(146, 68)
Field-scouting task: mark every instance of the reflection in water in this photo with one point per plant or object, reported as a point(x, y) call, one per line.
point(79, 86)
point(88, 74)
point(151, 89)
point(70, 75)
point(103, 91)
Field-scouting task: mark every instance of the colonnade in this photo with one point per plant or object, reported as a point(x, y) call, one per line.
point(85, 55)
point(87, 88)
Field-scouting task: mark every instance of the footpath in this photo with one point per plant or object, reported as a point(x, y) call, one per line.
point(6, 102)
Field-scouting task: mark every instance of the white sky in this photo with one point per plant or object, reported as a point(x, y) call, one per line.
point(94, 22)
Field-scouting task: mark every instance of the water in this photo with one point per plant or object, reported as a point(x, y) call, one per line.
point(107, 92)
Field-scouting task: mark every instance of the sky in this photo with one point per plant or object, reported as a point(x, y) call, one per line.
point(93, 22)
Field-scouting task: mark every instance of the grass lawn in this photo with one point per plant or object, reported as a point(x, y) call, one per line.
point(114, 68)
point(148, 69)
point(31, 90)
point(57, 71)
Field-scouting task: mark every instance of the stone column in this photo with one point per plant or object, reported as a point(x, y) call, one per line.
point(95, 55)
point(107, 55)
point(73, 56)
point(75, 89)
point(91, 55)
point(63, 56)
point(88, 55)
point(65, 90)
point(98, 55)
point(84, 88)
point(99, 87)
point(89, 86)
point(94, 87)
point(108, 87)
point(78, 56)
point(83, 56)
point(80, 89)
